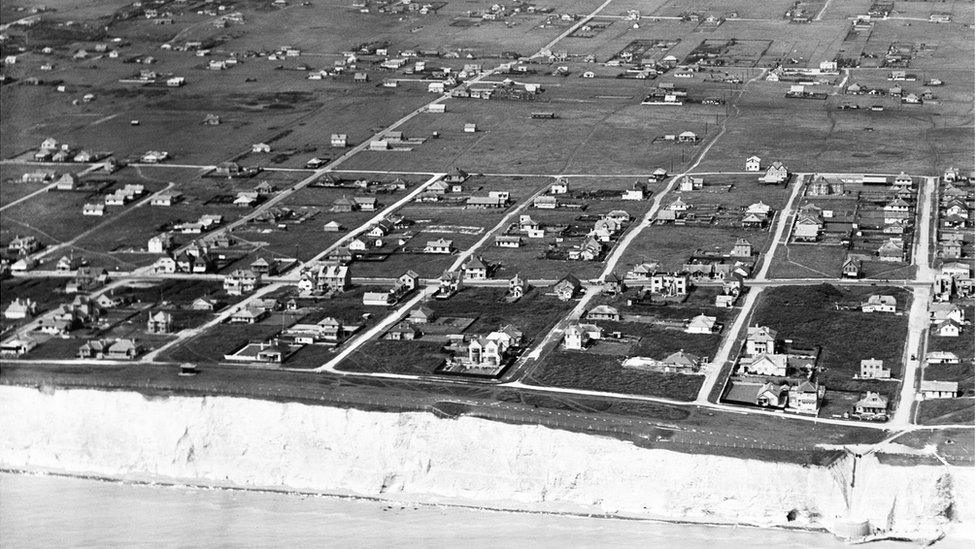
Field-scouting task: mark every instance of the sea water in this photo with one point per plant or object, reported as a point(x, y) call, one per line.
point(58, 511)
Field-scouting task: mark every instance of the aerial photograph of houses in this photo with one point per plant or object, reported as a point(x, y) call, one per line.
point(659, 260)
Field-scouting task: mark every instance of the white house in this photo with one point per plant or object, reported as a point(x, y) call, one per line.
point(753, 164)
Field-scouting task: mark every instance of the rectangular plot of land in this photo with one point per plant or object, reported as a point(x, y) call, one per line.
point(729, 52)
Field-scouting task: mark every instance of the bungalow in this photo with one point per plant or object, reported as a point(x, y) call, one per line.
point(939, 312)
point(941, 357)
point(508, 241)
point(439, 246)
point(338, 140)
point(892, 250)
point(872, 368)
point(357, 245)
point(248, 315)
point(545, 202)
point(93, 209)
point(485, 202)
point(687, 137)
point(939, 389)
point(20, 308)
point(421, 315)
point(122, 349)
point(366, 203)
point(603, 312)
point(871, 406)
point(165, 198)
point(379, 299)
point(879, 304)
point(559, 186)
point(204, 304)
point(402, 331)
point(701, 324)
point(344, 205)
point(765, 364)
point(17, 346)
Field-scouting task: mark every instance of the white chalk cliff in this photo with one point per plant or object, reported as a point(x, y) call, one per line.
point(417, 456)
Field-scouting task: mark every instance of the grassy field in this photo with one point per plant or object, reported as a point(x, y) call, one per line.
point(580, 370)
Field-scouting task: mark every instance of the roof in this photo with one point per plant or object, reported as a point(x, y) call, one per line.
point(682, 358)
point(939, 386)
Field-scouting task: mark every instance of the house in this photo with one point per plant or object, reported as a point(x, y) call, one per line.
point(402, 331)
point(753, 163)
point(122, 349)
point(241, 281)
point(872, 368)
point(517, 286)
point(559, 186)
point(690, 183)
point(335, 278)
point(344, 205)
point(94, 348)
point(892, 250)
point(741, 248)
point(160, 244)
point(20, 308)
point(775, 173)
point(407, 282)
point(879, 304)
point(17, 346)
point(805, 397)
point(545, 202)
point(332, 227)
point(940, 312)
point(248, 315)
point(379, 299)
point(851, 268)
point(165, 265)
point(948, 328)
point(567, 287)
point(760, 340)
point(165, 198)
point(455, 175)
point(765, 364)
point(941, 357)
point(475, 269)
point(67, 182)
point(439, 246)
point(576, 337)
point(470, 128)
point(687, 137)
point(160, 323)
point(871, 406)
point(24, 245)
point(938, 389)
point(637, 191)
point(701, 324)
point(421, 315)
point(204, 304)
point(508, 241)
point(357, 245)
point(603, 312)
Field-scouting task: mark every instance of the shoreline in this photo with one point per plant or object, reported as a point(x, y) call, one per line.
point(409, 481)
point(164, 482)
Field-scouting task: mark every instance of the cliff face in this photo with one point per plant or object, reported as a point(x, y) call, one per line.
point(416, 455)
